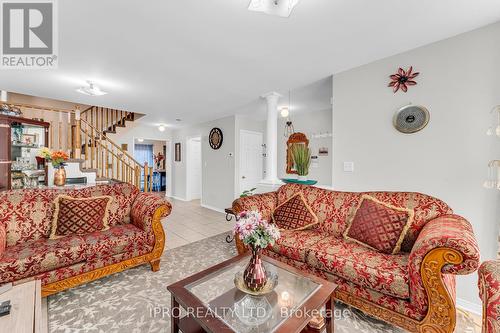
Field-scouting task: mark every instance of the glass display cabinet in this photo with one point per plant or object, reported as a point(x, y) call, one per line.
point(20, 142)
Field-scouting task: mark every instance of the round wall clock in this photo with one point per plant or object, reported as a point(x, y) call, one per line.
point(411, 118)
point(215, 138)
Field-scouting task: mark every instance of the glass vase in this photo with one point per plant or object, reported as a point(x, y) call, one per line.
point(255, 276)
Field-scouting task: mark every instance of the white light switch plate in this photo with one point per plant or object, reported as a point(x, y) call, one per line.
point(348, 166)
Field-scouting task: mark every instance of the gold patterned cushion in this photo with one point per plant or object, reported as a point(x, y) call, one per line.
point(294, 214)
point(79, 215)
point(379, 225)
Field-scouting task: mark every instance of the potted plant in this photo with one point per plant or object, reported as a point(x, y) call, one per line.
point(247, 193)
point(58, 160)
point(256, 233)
point(301, 159)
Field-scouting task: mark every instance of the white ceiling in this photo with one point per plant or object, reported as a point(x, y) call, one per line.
point(200, 59)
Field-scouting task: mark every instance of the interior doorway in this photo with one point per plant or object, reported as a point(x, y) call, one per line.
point(156, 153)
point(251, 160)
point(193, 169)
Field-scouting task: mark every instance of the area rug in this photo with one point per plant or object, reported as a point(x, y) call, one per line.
point(125, 302)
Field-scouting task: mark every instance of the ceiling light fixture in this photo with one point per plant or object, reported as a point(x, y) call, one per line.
point(140, 140)
point(289, 130)
point(284, 112)
point(91, 90)
point(282, 8)
point(161, 128)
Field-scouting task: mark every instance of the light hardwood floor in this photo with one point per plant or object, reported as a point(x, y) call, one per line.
point(189, 222)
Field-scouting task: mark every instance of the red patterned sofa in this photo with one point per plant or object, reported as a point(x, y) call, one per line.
point(414, 289)
point(489, 291)
point(135, 237)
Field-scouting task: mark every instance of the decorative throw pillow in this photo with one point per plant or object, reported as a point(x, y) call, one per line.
point(379, 226)
point(3, 239)
point(294, 214)
point(79, 215)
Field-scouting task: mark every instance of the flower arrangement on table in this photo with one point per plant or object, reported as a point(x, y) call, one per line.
point(258, 234)
point(58, 158)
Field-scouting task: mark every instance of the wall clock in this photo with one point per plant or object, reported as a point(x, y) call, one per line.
point(411, 118)
point(215, 138)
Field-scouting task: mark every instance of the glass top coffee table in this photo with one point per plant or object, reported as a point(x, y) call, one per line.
point(209, 301)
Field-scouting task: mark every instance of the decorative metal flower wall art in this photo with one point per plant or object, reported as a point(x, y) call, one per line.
point(402, 79)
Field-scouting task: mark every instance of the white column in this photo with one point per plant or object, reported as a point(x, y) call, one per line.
point(272, 138)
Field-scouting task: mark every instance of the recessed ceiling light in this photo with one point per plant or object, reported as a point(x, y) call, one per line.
point(161, 128)
point(91, 90)
point(281, 8)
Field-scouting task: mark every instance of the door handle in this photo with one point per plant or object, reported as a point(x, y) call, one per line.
point(243, 177)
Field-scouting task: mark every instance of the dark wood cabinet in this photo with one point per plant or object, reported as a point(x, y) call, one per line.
point(20, 140)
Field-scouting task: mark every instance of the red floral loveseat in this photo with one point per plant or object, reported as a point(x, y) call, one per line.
point(414, 289)
point(135, 236)
point(489, 291)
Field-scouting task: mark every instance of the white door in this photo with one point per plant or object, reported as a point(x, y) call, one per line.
point(194, 165)
point(251, 160)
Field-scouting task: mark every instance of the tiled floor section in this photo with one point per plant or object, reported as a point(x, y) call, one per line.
point(189, 222)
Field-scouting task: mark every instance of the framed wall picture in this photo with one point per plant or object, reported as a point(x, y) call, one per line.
point(29, 139)
point(177, 152)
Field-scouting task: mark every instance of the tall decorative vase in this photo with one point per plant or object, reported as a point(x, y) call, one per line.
point(255, 276)
point(60, 176)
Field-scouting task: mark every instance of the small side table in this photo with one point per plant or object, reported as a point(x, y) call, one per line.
point(229, 216)
point(26, 314)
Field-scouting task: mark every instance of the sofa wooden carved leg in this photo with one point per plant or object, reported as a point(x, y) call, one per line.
point(155, 265)
point(441, 316)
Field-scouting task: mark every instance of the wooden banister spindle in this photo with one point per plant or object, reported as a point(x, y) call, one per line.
point(107, 119)
point(137, 176)
point(151, 179)
point(146, 169)
point(77, 149)
point(92, 147)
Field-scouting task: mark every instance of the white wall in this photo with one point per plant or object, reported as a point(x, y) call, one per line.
point(309, 123)
point(448, 159)
point(217, 166)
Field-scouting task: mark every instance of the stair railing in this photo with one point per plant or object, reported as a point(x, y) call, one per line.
point(105, 157)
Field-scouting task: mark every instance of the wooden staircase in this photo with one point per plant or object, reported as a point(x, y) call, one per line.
point(102, 155)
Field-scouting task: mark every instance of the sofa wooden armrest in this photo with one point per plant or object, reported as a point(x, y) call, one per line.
point(446, 245)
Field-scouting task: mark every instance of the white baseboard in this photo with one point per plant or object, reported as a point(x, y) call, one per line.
point(213, 208)
point(178, 198)
point(474, 308)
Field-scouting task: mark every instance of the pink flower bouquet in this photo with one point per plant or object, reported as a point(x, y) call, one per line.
point(254, 231)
